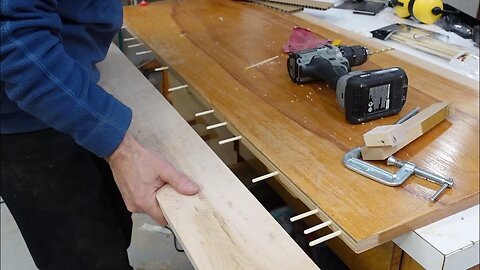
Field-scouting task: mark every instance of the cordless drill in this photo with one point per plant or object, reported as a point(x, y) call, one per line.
point(364, 95)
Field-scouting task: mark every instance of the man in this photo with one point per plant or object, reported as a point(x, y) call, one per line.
point(58, 127)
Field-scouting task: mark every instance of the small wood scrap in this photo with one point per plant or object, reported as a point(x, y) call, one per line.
point(262, 62)
point(383, 141)
point(278, 6)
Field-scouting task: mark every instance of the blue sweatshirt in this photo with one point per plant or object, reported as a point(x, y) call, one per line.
point(48, 78)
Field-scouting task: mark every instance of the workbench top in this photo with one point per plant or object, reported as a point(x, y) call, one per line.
point(299, 129)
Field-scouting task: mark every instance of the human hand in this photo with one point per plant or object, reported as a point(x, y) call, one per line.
point(140, 172)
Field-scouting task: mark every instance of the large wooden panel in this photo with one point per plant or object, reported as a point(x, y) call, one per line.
point(300, 129)
point(223, 226)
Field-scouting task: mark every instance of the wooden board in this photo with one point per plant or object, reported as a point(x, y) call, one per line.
point(299, 130)
point(222, 227)
point(306, 3)
point(280, 7)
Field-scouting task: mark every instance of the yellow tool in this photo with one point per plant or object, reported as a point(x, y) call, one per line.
point(425, 11)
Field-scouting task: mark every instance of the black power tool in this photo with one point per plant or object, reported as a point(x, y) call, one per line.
point(365, 95)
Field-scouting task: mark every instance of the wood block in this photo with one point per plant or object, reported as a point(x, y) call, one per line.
point(398, 136)
point(392, 135)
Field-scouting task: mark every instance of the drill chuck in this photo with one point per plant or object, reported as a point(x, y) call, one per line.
point(356, 55)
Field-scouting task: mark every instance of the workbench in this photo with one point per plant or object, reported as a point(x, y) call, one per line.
point(298, 131)
point(453, 242)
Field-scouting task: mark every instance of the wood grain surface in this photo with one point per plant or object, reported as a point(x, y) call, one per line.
point(222, 227)
point(300, 128)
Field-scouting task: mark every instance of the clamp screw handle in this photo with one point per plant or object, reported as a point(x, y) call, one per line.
point(438, 193)
point(444, 182)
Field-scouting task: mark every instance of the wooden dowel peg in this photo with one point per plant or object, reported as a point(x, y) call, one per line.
point(161, 68)
point(124, 26)
point(324, 238)
point(317, 227)
point(304, 215)
point(237, 138)
point(222, 124)
point(177, 88)
point(143, 52)
point(129, 39)
point(204, 113)
point(135, 45)
point(263, 177)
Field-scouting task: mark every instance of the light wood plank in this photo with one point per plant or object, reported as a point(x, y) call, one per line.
point(222, 227)
point(299, 129)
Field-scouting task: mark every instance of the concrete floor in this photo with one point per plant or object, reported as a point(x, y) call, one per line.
point(150, 249)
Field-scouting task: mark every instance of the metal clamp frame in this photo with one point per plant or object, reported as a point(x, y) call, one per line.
point(352, 161)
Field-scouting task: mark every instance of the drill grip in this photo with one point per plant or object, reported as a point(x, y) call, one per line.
point(321, 68)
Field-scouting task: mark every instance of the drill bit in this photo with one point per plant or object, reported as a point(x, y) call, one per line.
point(382, 50)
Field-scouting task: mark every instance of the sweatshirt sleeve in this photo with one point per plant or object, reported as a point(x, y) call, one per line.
point(44, 81)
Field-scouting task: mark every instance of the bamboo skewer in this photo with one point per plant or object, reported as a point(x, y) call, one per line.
point(204, 113)
point(177, 88)
point(318, 227)
point(262, 62)
point(304, 215)
point(325, 238)
point(143, 52)
point(422, 48)
point(432, 41)
point(263, 177)
point(229, 140)
point(431, 44)
point(428, 44)
point(222, 124)
point(135, 45)
point(161, 68)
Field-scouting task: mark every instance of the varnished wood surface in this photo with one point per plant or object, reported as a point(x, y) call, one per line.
point(223, 226)
point(300, 128)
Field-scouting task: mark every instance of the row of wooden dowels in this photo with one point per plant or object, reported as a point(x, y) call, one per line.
point(237, 138)
point(180, 87)
point(270, 175)
point(273, 174)
point(316, 227)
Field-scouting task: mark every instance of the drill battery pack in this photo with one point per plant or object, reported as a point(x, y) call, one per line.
point(369, 95)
